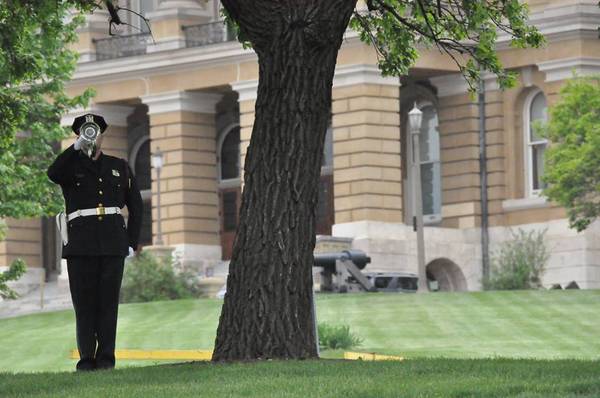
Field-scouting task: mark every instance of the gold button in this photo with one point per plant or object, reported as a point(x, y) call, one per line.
point(99, 218)
point(100, 192)
point(100, 179)
point(78, 184)
point(99, 204)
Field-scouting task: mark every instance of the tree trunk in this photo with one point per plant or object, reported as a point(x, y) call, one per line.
point(267, 313)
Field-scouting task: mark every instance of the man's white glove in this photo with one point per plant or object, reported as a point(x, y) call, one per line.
point(79, 143)
point(131, 252)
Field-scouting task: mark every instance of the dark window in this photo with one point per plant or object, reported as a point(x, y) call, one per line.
point(142, 167)
point(146, 232)
point(229, 210)
point(230, 155)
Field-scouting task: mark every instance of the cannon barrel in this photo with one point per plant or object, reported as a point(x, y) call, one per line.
point(327, 260)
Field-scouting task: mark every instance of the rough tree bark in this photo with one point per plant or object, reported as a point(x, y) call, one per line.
point(267, 312)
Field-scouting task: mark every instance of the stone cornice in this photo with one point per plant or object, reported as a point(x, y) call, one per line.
point(171, 61)
point(566, 22)
point(562, 69)
point(176, 101)
point(350, 75)
point(247, 89)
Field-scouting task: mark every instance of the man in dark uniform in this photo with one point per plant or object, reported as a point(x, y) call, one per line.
point(96, 187)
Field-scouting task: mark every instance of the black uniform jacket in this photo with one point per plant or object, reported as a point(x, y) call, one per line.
point(86, 184)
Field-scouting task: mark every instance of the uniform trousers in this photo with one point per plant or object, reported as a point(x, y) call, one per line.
point(95, 283)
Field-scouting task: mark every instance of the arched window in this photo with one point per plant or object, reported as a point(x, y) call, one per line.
point(229, 186)
point(229, 157)
point(536, 111)
point(325, 212)
point(429, 142)
point(139, 160)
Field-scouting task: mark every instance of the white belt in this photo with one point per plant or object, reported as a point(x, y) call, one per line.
point(98, 211)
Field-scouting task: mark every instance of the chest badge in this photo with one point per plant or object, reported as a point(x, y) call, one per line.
point(116, 173)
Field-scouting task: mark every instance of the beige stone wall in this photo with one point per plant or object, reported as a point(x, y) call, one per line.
point(459, 142)
point(514, 151)
point(189, 200)
point(366, 148)
point(23, 241)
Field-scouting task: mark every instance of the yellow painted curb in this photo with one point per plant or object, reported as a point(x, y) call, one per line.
point(200, 355)
point(196, 355)
point(371, 356)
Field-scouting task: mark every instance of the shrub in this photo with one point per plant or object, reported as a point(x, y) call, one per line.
point(148, 278)
point(337, 337)
point(16, 269)
point(520, 262)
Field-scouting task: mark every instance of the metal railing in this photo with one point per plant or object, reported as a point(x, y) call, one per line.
point(122, 46)
point(208, 33)
point(136, 44)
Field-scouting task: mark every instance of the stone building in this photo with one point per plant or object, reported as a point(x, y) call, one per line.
point(191, 93)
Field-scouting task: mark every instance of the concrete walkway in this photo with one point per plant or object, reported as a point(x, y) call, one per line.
point(56, 297)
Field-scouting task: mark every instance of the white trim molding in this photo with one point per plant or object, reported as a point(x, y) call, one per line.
point(528, 145)
point(247, 89)
point(534, 202)
point(350, 75)
point(178, 101)
point(114, 115)
point(562, 22)
point(180, 9)
point(562, 69)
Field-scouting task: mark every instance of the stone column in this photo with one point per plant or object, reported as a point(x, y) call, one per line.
point(366, 146)
point(182, 125)
point(167, 22)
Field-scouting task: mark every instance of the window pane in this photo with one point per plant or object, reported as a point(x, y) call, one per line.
point(537, 157)
point(146, 6)
point(328, 148)
point(146, 231)
point(430, 166)
point(427, 188)
point(538, 112)
point(229, 211)
point(230, 155)
point(429, 135)
point(142, 167)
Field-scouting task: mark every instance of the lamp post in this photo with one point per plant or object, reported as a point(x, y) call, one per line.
point(415, 118)
point(157, 163)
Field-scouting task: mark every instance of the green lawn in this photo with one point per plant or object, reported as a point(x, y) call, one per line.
point(327, 378)
point(543, 325)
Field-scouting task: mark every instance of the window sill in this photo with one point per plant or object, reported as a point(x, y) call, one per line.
point(535, 202)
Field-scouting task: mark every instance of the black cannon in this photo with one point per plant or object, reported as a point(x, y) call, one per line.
point(340, 268)
point(327, 260)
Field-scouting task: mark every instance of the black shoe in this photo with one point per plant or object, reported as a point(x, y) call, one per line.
point(86, 365)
